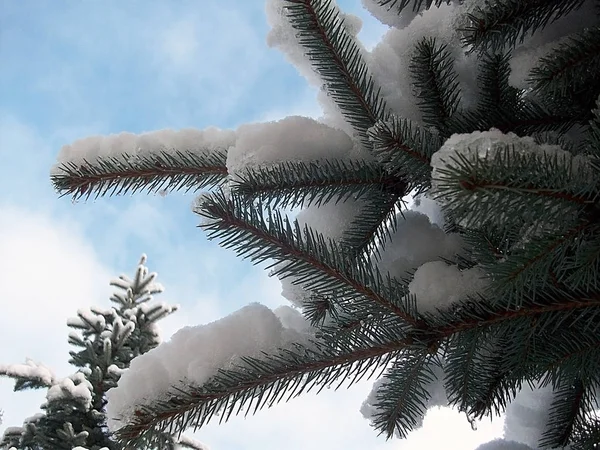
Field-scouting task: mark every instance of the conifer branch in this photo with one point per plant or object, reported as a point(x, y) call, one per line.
point(436, 84)
point(498, 387)
point(401, 399)
point(503, 24)
point(525, 117)
point(296, 183)
point(587, 435)
point(593, 135)
point(318, 264)
point(263, 382)
point(495, 92)
point(29, 375)
point(581, 270)
point(573, 354)
point(534, 268)
point(480, 190)
point(372, 228)
point(571, 67)
point(254, 385)
point(566, 413)
point(531, 222)
point(405, 148)
point(188, 171)
point(337, 59)
point(417, 5)
point(554, 307)
point(467, 368)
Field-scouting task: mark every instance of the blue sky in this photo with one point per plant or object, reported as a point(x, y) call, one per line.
point(70, 69)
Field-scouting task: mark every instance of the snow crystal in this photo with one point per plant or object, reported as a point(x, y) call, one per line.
point(415, 242)
point(390, 60)
point(438, 285)
point(293, 138)
point(74, 387)
point(29, 370)
point(527, 415)
point(196, 353)
point(502, 444)
point(136, 145)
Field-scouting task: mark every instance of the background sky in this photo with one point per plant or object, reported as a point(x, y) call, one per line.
point(70, 69)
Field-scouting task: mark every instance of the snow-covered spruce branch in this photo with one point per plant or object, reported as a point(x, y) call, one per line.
point(559, 187)
point(125, 173)
point(296, 183)
point(258, 382)
point(319, 263)
point(30, 375)
point(505, 24)
point(405, 148)
point(436, 84)
point(568, 63)
point(406, 389)
point(537, 316)
point(336, 58)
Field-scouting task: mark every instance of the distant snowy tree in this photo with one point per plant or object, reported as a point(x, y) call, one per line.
point(106, 341)
point(487, 112)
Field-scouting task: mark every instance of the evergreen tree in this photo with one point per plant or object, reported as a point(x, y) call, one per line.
point(491, 108)
point(105, 341)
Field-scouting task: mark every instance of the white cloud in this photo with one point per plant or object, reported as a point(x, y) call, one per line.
point(213, 55)
point(47, 272)
point(179, 43)
point(22, 147)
